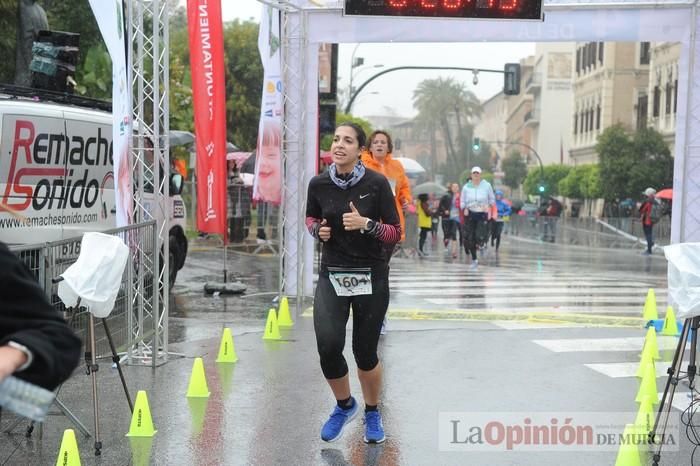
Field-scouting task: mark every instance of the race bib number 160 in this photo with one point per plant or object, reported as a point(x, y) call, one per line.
point(355, 282)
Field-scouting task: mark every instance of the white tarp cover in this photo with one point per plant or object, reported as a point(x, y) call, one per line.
point(684, 278)
point(96, 276)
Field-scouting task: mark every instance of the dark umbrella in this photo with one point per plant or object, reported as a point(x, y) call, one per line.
point(180, 138)
point(249, 165)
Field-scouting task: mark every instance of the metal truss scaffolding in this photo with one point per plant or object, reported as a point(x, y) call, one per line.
point(149, 77)
point(293, 150)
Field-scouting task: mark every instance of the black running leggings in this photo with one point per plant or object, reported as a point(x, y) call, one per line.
point(475, 232)
point(331, 313)
point(423, 236)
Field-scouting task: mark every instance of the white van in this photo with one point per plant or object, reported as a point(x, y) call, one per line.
point(56, 171)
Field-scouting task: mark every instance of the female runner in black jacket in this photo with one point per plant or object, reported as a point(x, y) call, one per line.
point(352, 211)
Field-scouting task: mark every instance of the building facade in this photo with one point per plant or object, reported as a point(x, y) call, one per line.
point(610, 82)
point(550, 86)
point(492, 123)
point(661, 103)
point(518, 112)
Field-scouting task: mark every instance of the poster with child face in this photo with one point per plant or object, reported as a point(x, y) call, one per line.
point(267, 184)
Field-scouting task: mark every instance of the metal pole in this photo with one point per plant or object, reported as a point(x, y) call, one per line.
point(352, 68)
point(689, 127)
point(372, 78)
point(539, 159)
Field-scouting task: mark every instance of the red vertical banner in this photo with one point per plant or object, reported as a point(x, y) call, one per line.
point(206, 39)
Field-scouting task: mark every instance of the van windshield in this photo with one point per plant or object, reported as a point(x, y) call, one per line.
point(53, 45)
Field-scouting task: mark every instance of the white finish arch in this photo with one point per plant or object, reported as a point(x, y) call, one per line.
point(564, 21)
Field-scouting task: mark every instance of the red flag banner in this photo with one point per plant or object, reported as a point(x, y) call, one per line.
point(209, 98)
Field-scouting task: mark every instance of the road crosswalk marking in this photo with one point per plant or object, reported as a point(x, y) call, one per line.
point(435, 287)
point(627, 369)
point(580, 345)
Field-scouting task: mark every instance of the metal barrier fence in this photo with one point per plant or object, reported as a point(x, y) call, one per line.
point(618, 232)
point(254, 225)
point(409, 246)
point(130, 322)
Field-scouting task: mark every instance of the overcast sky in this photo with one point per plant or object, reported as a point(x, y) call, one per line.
point(393, 92)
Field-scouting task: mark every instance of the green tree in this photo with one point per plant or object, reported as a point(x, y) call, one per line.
point(515, 170)
point(571, 185)
point(447, 106)
point(552, 175)
point(615, 154)
point(653, 164)
point(582, 182)
point(629, 164)
point(180, 99)
point(96, 80)
point(8, 38)
point(341, 117)
point(244, 79)
point(591, 188)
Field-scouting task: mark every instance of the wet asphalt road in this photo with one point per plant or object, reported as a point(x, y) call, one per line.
point(269, 406)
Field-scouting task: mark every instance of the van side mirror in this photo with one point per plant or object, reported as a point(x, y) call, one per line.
point(176, 183)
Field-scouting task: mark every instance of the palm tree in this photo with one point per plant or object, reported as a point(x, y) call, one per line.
point(447, 105)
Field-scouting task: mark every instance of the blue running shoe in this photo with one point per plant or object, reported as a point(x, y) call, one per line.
point(332, 430)
point(374, 429)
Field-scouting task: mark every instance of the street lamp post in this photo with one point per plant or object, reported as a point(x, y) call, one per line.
point(532, 149)
point(354, 93)
point(356, 63)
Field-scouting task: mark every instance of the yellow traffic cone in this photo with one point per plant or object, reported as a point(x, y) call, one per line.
point(651, 344)
point(68, 454)
point(647, 359)
point(141, 422)
point(628, 454)
point(198, 381)
point(670, 324)
point(645, 417)
point(650, 312)
point(227, 352)
point(284, 319)
point(272, 329)
point(647, 388)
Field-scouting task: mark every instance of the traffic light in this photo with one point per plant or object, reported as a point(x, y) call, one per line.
point(511, 79)
point(541, 188)
point(476, 144)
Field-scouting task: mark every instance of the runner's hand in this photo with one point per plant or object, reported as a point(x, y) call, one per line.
point(11, 359)
point(353, 220)
point(324, 233)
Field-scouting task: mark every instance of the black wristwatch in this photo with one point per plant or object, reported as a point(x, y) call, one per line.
point(369, 225)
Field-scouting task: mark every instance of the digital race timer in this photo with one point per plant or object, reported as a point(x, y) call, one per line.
point(487, 9)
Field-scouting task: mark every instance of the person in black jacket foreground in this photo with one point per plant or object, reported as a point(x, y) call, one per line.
point(352, 212)
point(36, 344)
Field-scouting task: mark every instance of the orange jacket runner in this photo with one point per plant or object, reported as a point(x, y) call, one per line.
point(394, 172)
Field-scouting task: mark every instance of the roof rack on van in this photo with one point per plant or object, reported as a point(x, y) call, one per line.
point(13, 91)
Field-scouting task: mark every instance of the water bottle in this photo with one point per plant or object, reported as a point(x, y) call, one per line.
point(25, 399)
